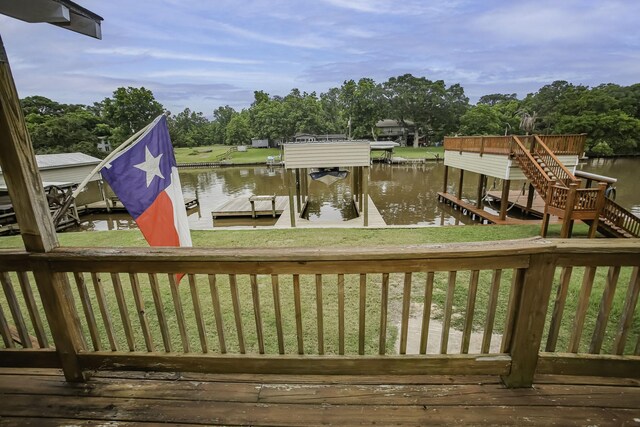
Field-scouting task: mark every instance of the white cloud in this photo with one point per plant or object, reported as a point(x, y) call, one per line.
point(163, 54)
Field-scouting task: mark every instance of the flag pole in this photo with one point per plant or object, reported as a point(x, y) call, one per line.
point(58, 214)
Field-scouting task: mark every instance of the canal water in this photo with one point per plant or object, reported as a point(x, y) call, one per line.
point(404, 194)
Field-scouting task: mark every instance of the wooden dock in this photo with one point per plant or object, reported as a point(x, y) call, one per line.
point(520, 200)
point(375, 220)
point(241, 206)
point(115, 205)
point(477, 214)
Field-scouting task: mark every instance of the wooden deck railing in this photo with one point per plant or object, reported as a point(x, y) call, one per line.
point(565, 144)
point(558, 144)
point(445, 309)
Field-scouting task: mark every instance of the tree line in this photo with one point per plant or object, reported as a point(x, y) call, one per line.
point(608, 113)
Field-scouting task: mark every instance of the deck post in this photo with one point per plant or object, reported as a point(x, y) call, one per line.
point(22, 176)
point(292, 210)
point(446, 178)
point(593, 228)
point(546, 216)
point(504, 201)
point(529, 321)
point(460, 184)
point(530, 196)
point(298, 190)
point(360, 187)
point(481, 186)
point(567, 221)
point(365, 195)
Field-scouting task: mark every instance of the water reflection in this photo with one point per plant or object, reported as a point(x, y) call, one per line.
point(404, 194)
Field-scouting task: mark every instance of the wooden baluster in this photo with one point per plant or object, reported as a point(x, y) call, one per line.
point(177, 305)
point(256, 311)
point(32, 308)
point(275, 287)
point(529, 320)
point(471, 305)
point(446, 325)
point(605, 309)
point(558, 309)
point(320, 314)
point(382, 342)
point(142, 313)
point(235, 298)
point(406, 305)
point(362, 313)
point(298, 311)
point(217, 312)
point(426, 312)
point(162, 319)
point(626, 319)
point(88, 310)
point(517, 281)
point(195, 298)
point(104, 310)
point(491, 311)
point(122, 307)
point(14, 307)
point(581, 311)
point(341, 314)
point(4, 331)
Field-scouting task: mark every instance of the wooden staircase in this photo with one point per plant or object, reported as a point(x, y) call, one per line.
point(559, 188)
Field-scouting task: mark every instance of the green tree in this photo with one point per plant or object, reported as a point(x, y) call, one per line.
point(481, 120)
point(238, 130)
point(496, 98)
point(129, 110)
point(189, 128)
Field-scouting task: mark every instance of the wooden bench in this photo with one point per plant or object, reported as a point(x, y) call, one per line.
point(254, 199)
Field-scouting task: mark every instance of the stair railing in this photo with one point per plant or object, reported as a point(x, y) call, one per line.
point(532, 170)
point(621, 218)
point(550, 160)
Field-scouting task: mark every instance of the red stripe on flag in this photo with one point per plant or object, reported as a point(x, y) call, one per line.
point(156, 223)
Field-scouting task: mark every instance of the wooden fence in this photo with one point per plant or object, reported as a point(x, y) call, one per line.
point(478, 308)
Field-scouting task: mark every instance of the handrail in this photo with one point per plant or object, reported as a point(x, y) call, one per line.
point(532, 169)
point(553, 163)
point(285, 292)
point(620, 217)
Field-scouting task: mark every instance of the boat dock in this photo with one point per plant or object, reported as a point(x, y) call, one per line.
point(520, 200)
point(241, 207)
point(474, 212)
point(375, 220)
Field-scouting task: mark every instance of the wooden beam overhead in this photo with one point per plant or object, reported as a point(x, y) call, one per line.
point(63, 13)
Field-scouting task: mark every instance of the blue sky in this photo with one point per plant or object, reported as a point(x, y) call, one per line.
point(204, 54)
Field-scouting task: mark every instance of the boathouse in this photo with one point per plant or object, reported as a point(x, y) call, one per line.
point(548, 164)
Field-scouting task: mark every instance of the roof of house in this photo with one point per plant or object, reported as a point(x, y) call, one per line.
point(387, 123)
point(64, 160)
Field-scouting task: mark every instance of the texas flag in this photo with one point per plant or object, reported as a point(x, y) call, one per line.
point(145, 178)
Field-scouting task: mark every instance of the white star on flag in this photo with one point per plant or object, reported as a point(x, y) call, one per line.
point(151, 166)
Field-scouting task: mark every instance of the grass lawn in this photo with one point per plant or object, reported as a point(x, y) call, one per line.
point(324, 237)
point(259, 155)
point(253, 155)
point(200, 154)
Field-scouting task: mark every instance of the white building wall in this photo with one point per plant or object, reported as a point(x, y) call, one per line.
point(496, 165)
point(326, 154)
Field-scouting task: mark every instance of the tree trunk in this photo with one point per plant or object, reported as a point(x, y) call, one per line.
point(416, 138)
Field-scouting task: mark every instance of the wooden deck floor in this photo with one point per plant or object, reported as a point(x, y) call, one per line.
point(42, 398)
